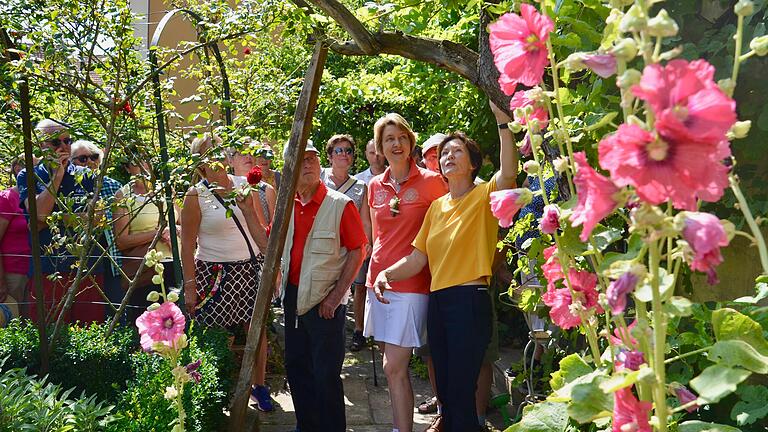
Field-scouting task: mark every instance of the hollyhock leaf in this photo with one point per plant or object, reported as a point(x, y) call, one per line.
point(678, 306)
point(644, 292)
point(571, 367)
point(718, 381)
point(762, 292)
point(729, 324)
point(752, 406)
point(620, 380)
point(564, 394)
point(589, 401)
point(545, 416)
point(570, 242)
point(738, 353)
point(700, 426)
point(605, 236)
point(635, 245)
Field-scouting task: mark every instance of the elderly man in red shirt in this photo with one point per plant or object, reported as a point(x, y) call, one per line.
point(322, 255)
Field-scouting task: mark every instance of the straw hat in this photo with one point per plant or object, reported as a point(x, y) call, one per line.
point(8, 311)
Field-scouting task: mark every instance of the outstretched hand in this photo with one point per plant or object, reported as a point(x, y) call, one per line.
point(501, 116)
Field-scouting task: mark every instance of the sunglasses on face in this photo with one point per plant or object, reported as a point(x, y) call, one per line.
point(264, 153)
point(84, 158)
point(338, 151)
point(59, 141)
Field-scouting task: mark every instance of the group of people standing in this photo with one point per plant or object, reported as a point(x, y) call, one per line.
point(415, 244)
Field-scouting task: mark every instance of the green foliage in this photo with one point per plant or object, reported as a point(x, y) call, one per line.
point(717, 382)
point(142, 405)
point(752, 406)
point(542, 417)
point(31, 404)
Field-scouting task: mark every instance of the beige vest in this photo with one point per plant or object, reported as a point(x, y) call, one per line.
point(324, 257)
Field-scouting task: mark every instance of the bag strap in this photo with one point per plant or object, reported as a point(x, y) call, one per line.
point(234, 218)
point(351, 181)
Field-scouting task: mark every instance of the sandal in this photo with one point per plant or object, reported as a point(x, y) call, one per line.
point(429, 406)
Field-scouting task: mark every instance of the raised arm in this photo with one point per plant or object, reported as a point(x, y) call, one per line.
point(190, 227)
point(506, 178)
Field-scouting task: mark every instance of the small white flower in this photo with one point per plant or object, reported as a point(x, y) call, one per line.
point(171, 393)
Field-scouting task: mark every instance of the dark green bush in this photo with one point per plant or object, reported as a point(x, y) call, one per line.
point(31, 404)
point(142, 406)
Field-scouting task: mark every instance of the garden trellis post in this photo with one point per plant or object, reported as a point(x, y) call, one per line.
point(302, 123)
point(160, 118)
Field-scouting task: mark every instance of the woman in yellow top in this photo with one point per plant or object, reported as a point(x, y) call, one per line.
point(458, 240)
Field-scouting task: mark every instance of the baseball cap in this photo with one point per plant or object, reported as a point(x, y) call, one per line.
point(309, 148)
point(432, 142)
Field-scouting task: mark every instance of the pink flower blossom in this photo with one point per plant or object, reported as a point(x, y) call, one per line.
point(616, 338)
point(507, 84)
point(705, 235)
point(631, 360)
point(685, 96)
point(617, 291)
point(518, 44)
point(506, 203)
point(596, 196)
point(604, 65)
point(665, 167)
point(526, 150)
point(630, 414)
point(524, 98)
point(164, 324)
point(550, 221)
point(551, 268)
point(560, 300)
point(686, 396)
point(192, 370)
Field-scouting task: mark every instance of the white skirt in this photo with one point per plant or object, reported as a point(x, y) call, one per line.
point(402, 322)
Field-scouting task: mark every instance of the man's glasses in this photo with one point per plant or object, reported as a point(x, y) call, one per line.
point(59, 141)
point(84, 158)
point(348, 150)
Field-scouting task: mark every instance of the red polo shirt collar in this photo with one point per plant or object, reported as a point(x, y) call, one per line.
point(412, 173)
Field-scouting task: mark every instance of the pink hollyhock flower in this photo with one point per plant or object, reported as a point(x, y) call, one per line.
point(524, 98)
point(164, 324)
point(705, 235)
point(192, 370)
point(551, 268)
point(604, 65)
point(685, 96)
point(506, 203)
point(560, 300)
point(507, 84)
point(518, 44)
point(526, 150)
point(617, 291)
point(629, 360)
point(665, 167)
point(617, 333)
point(596, 196)
point(550, 221)
point(630, 414)
point(686, 396)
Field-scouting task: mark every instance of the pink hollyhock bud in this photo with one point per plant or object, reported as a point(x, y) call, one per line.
point(525, 149)
point(705, 235)
point(550, 221)
point(518, 44)
point(630, 360)
point(685, 396)
point(617, 291)
point(525, 98)
point(246, 51)
point(596, 196)
point(604, 65)
point(506, 203)
point(630, 414)
point(164, 325)
point(254, 175)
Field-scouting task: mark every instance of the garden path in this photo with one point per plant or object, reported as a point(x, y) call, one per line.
point(368, 407)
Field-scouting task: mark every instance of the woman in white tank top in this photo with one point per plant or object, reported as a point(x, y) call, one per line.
point(221, 261)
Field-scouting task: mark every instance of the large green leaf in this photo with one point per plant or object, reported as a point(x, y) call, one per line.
point(730, 324)
point(589, 401)
point(752, 405)
point(542, 417)
point(738, 353)
point(571, 367)
point(700, 426)
point(717, 382)
point(644, 292)
point(762, 292)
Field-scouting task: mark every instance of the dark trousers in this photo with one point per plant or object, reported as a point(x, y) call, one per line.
point(314, 353)
point(459, 329)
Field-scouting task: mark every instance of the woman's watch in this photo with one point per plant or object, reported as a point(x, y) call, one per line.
point(503, 125)
point(388, 276)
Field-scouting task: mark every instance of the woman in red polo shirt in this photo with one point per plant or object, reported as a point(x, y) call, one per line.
point(399, 199)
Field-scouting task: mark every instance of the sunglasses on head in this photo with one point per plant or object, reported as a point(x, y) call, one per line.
point(264, 153)
point(59, 141)
point(84, 158)
point(338, 150)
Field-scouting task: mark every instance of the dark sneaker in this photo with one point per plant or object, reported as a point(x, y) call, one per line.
point(260, 395)
point(429, 406)
point(358, 341)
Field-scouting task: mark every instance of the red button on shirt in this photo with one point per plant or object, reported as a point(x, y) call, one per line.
point(351, 233)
